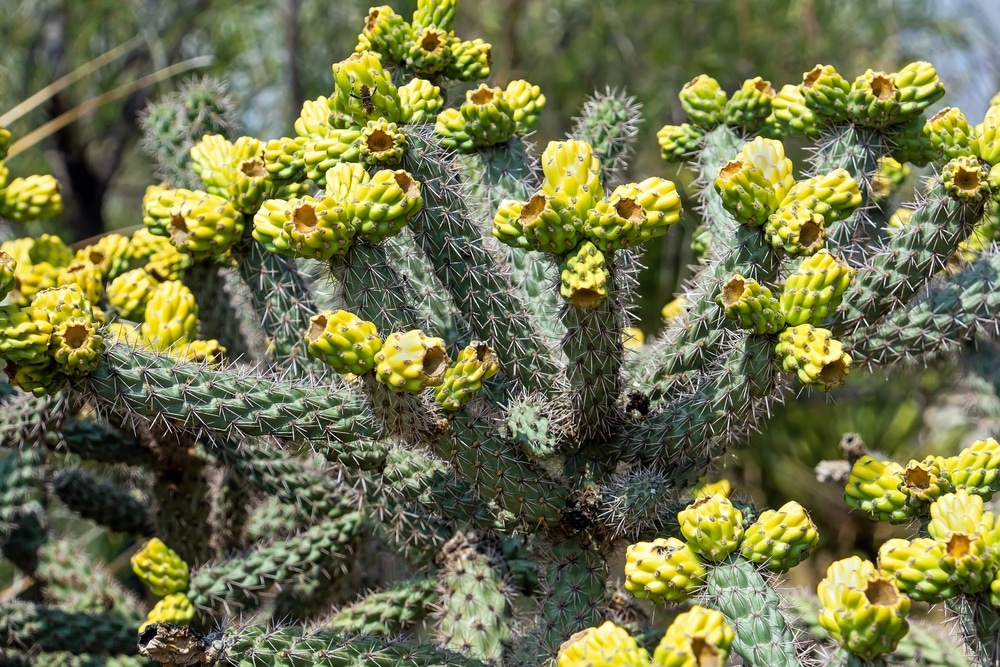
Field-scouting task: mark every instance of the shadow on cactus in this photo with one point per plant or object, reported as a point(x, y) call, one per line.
point(402, 327)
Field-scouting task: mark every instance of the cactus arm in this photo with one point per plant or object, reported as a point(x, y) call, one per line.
point(609, 122)
point(594, 349)
point(479, 283)
point(78, 584)
point(237, 582)
point(373, 289)
point(280, 297)
point(437, 315)
point(98, 442)
point(753, 609)
point(218, 311)
point(980, 625)
point(25, 418)
point(22, 515)
point(51, 629)
point(955, 309)
point(155, 387)
point(387, 612)
point(104, 503)
point(914, 254)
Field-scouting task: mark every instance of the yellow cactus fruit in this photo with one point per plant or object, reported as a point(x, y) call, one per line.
point(966, 179)
point(614, 222)
point(450, 127)
point(209, 352)
point(8, 265)
point(315, 228)
point(780, 539)
point(950, 133)
point(678, 142)
point(364, 90)
point(344, 341)
point(751, 305)
point(584, 276)
point(382, 143)
point(411, 361)
point(5, 137)
point(976, 468)
point(314, 119)
point(754, 183)
point(815, 289)
point(834, 196)
point(508, 227)
point(749, 106)
point(535, 225)
point(572, 179)
point(171, 315)
point(863, 610)
point(790, 115)
point(321, 155)
point(712, 526)
point(476, 363)
point(958, 512)
point(249, 179)
point(41, 379)
point(469, 60)
point(382, 205)
point(917, 567)
point(988, 135)
point(385, 33)
point(76, 345)
point(269, 227)
point(284, 161)
point(875, 100)
point(796, 229)
point(704, 101)
point(168, 264)
point(129, 292)
point(488, 116)
point(158, 204)
point(175, 608)
point(673, 308)
point(899, 219)
point(24, 335)
point(343, 178)
point(664, 570)
point(112, 254)
point(126, 333)
point(919, 87)
point(526, 100)
point(874, 488)
point(697, 637)
point(709, 489)
point(210, 160)
point(203, 225)
point(815, 356)
point(419, 101)
point(659, 199)
point(143, 244)
point(34, 197)
point(633, 338)
point(925, 480)
point(604, 646)
point(63, 303)
point(160, 568)
point(825, 92)
point(429, 51)
point(85, 275)
point(437, 13)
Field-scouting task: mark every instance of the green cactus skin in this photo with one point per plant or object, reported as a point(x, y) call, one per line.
point(373, 288)
point(609, 122)
point(78, 584)
point(154, 386)
point(25, 418)
point(752, 608)
point(388, 612)
point(291, 647)
point(477, 615)
point(101, 443)
point(219, 312)
point(51, 629)
point(238, 582)
point(469, 271)
point(103, 503)
point(22, 492)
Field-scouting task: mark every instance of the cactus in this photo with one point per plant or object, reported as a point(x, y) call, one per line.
point(391, 352)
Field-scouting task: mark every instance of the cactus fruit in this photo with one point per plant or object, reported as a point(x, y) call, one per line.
point(664, 570)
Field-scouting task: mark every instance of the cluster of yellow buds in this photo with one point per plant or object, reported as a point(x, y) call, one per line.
point(699, 636)
point(166, 575)
point(403, 361)
point(572, 218)
point(671, 570)
point(490, 116)
point(27, 198)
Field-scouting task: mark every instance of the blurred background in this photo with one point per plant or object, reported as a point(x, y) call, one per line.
point(273, 54)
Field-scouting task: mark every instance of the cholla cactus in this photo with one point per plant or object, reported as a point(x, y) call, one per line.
point(387, 354)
